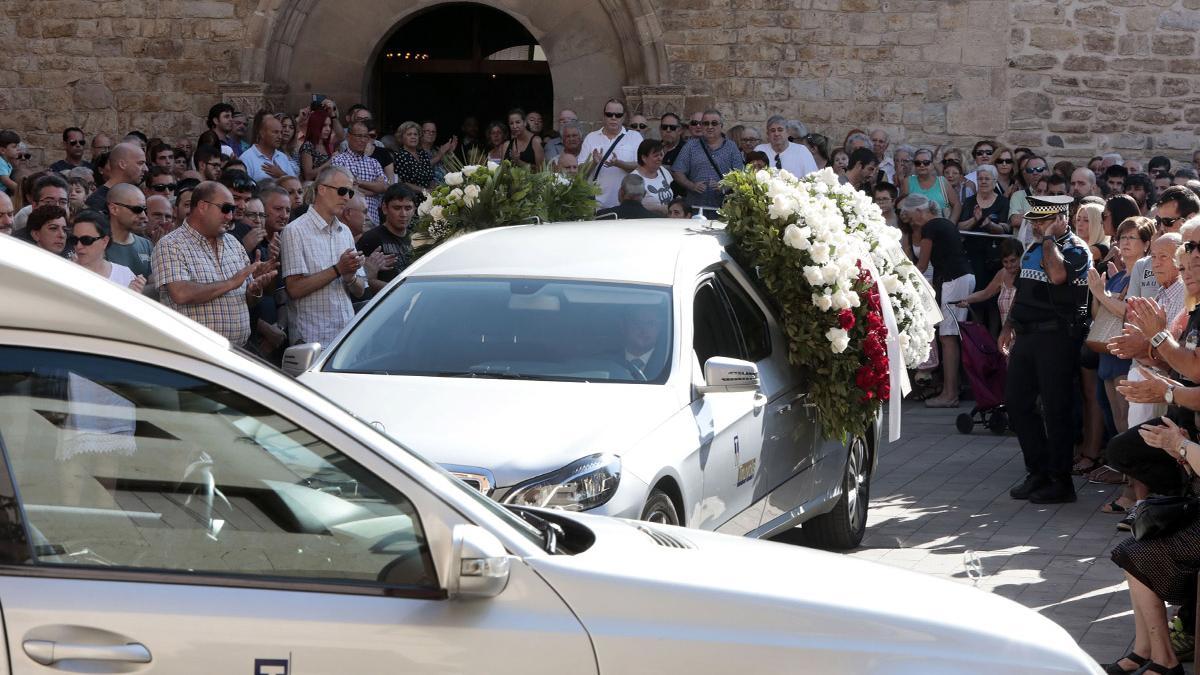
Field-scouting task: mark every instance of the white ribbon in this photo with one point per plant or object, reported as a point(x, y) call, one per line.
point(898, 374)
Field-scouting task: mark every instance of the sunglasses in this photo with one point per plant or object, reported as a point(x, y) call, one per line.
point(614, 115)
point(164, 187)
point(1035, 169)
point(341, 191)
point(1191, 246)
point(1004, 161)
point(25, 156)
point(137, 210)
point(980, 153)
point(225, 208)
point(693, 123)
point(82, 239)
point(668, 127)
point(639, 127)
point(1167, 222)
point(922, 162)
point(77, 144)
point(710, 123)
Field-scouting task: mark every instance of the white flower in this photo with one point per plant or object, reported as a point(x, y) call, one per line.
point(819, 253)
point(470, 169)
point(762, 176)
point(470, 195)
point(814, 275)
point(455, 178)
point(423, 209)
point(823, 301)
point(838, 340)
point(438, 213)
point(891, 284)
point(456, 195)
point(841, 300)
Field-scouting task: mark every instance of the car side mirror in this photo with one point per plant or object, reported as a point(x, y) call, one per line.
point(300, 358)
point(479, 565)
point(725, 375)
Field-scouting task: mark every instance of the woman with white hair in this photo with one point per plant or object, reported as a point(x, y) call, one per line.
point(941, 246)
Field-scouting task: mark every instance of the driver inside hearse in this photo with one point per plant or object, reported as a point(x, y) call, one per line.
point(642, 354)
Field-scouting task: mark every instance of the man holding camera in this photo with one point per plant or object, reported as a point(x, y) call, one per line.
point(1042, 339)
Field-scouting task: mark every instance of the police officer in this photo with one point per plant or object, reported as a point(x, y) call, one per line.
point(1042, 338)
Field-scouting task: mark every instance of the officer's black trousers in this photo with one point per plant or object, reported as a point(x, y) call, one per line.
point(1046, 364)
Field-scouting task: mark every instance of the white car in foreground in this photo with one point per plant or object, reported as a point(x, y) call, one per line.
point(624, 368)
point(169, 506)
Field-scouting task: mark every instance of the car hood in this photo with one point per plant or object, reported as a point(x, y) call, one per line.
point(517, 429)
point(714, 603)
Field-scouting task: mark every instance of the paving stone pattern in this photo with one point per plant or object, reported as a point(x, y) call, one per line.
point(940, 500)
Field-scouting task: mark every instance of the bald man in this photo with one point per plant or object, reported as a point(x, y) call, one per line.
point(127, 218)
point(161, 217)
point(126, 164)
point(6, 214)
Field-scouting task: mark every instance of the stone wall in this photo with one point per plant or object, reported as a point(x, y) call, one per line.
point(1072, 75)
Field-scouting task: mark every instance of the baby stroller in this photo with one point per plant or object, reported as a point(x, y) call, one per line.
point(986, 368)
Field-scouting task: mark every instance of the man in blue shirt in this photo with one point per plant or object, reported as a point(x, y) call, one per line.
point(1042, 338)
point(701, 165)
point(264, 159)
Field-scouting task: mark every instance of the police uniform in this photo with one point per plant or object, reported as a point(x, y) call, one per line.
point(1049, 322)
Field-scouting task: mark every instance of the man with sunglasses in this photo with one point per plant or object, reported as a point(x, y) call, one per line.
point(160, 181)
point(73, 146)
point(126, 165)
point(703, 162)
point(695, 124)
point(1042, 339)
point(612, 150)
point(784, 154)
point(205, 272)
point(321, 268)
point(128, 245)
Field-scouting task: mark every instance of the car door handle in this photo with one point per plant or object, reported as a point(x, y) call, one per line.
point(784, 409)
point(47, 652)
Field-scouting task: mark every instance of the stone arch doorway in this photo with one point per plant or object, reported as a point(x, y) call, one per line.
point(593, 49)
point(457, 60)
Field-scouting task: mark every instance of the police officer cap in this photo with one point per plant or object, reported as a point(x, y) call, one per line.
point(1048, 206)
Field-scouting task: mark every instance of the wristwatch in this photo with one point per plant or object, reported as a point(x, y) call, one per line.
point(1169, 397)
point(1159, 337)
point(1183, 450)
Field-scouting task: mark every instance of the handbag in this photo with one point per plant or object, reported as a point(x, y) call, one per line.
point(1163, 516)
point(1105, 326)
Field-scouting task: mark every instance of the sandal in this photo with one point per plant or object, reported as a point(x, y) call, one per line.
point(1106, 476)
point(1081, 469)
point(1115, 669)
point(1153, 667)
point(1114, 507)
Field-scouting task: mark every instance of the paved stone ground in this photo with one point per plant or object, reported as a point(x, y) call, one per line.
point(940, 499)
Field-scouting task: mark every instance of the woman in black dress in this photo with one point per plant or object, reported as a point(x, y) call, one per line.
point(414, 164)
point(524, 149)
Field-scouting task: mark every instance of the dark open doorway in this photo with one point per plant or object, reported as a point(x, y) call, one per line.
point(457, 60)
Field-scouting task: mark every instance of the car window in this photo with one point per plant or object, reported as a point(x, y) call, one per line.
point(539, 329)
point(713, 326)
point(126, 465)
point(751, 322)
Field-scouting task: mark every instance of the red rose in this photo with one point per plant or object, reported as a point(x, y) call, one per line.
point(846, 319)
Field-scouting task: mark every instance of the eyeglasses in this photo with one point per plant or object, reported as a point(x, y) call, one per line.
point(1167, 222)
point(668, 127)
point(639, 126)
point(137, 210)
point(164, 187)
point(77, 144)
point(693, 123)
point(82, 239)
point(51, 201)
point(25, 156)
point(1191, 246)
point(1035, 169)
point(979, 153)
point(922, 162)
point(255, 215)
point(614, 115)
point(711, 123)
point(225, 208)
point(1004, 161)
point(341, 191)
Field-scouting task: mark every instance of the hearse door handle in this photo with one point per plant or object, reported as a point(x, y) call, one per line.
point(48, 652)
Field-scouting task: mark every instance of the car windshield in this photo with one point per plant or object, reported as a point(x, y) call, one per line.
point(508, 328)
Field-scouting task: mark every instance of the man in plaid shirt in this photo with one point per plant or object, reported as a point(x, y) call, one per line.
point(204, 272)
point(320, 264)
point(368, 174)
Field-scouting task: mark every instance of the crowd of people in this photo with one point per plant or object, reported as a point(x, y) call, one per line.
point(270, 230)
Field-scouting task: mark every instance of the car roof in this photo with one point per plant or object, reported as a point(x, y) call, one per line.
point(44, 292)
point(637, 251)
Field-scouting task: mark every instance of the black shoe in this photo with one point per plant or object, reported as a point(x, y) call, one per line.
point(1032, 482)
point(1115, 669)
point(1153, 667)
point(1054, 491)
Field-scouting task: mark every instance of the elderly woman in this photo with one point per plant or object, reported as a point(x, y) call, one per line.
point(414, 164)
point(933, 187)
point(47, 227)
point(952, 171)
point(1163, 569)
point(89, 237)
point(495, 138)
point(941, 246)
point(658, 180)
point(839, 161)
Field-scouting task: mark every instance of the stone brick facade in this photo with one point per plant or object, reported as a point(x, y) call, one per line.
point(1070, 75)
